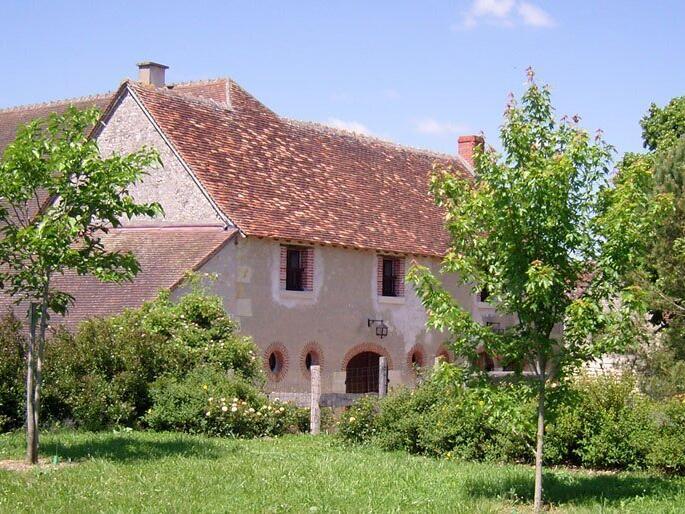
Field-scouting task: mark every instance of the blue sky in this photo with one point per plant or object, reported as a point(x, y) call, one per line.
point(418, 73)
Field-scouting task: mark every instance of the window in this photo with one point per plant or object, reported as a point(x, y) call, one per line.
point(297, 268)
point(484, 295)
point(311, 359)
point(294, 278)
point(275, 362)
point(390, 276)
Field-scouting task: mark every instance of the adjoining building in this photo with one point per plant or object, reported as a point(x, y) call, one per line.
point(309, 229)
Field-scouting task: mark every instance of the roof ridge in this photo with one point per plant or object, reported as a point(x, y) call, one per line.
point(206, 102)
point(51, 103)
point(322, 127)
point(198, 82)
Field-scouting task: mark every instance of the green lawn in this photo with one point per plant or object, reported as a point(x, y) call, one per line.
point(148, 472)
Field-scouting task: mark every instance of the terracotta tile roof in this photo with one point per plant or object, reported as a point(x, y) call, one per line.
point(12, 118)
point(164, 254)
point(278, 178)
point(285, 179)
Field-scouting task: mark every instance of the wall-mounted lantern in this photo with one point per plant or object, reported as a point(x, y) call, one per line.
point(381, 327)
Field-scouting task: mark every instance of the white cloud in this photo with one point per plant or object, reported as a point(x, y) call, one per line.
point(439, 128)
point(534, 16)
point(505, 13)
point(352, 126)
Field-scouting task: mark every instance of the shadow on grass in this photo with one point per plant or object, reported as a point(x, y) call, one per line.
point(119, 447)
point(565, 487)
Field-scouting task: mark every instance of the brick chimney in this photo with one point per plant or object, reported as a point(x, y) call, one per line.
point(151, 73)
point(468, 145)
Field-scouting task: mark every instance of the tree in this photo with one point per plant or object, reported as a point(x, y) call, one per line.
point(545, 233)
point(58, 196)
point(662, 363)
point(662, 127)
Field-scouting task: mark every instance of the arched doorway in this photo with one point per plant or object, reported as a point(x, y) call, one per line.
point(361, 373)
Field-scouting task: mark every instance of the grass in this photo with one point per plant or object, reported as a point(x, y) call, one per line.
point(152, 472)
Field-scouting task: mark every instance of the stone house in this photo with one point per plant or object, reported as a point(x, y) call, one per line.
point(309, 229)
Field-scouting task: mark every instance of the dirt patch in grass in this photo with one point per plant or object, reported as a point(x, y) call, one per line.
point(22, 465)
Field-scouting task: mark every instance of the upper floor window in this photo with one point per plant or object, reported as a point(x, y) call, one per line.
point(390, 276)
point(484, 295)
point(297, 268)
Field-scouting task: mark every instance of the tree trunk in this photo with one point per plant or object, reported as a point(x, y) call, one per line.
point(39, 359)
point(31, 428)
point(537, 502)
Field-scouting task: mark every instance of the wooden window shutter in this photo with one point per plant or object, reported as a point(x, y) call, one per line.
point(284, 266)
point(308, 254)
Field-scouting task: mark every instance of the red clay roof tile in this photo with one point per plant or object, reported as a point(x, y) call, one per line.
point(283, 179)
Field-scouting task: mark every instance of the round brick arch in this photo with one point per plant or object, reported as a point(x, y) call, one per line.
point(313, 348)
point(444, 352)
point(419, 350)
point(365, 347)
point(282, 351)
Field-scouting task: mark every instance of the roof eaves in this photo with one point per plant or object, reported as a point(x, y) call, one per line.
point(204, 260)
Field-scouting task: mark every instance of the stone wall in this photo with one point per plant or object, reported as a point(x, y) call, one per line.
point(127, 130)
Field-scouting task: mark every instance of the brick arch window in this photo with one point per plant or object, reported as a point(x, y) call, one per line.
point(365, 347)
point(443, 354)
point(416, 357)
point(297, 268)
point(311, 354)
point(276, 362)
point(390, 275)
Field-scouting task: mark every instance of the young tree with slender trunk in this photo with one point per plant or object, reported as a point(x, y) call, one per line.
point(58, 196)
point(549, 236)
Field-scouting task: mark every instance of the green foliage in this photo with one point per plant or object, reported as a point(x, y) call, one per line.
point(668, 258)
point(442, 419)
point(533, 225)
point(55, 158)
point(11, 372)
point(357, 424)
point(601, 423)
point(605, 424)
point(663, 126)
point(212, 401)
point(667, 452)
point(662, 370)
point(102, 375)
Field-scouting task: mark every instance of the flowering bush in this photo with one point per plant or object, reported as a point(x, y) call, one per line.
point(211, 401)
point(357, 424)
point(237, 418)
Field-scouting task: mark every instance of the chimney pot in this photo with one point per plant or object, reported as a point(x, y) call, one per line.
point(468, 145)
point(152, 73)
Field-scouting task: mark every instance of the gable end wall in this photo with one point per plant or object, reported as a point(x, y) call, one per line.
point(127, 130)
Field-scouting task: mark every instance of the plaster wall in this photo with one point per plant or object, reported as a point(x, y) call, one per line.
point(331, 319)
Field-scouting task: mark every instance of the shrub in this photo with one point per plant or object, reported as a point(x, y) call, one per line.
point(444, 419)
point(604, 423)
point(180, 403)
point(357, 424)
point(667, 452)
point(600, 422)
point(101, 375)
point(11, 373)
point(213, 401)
